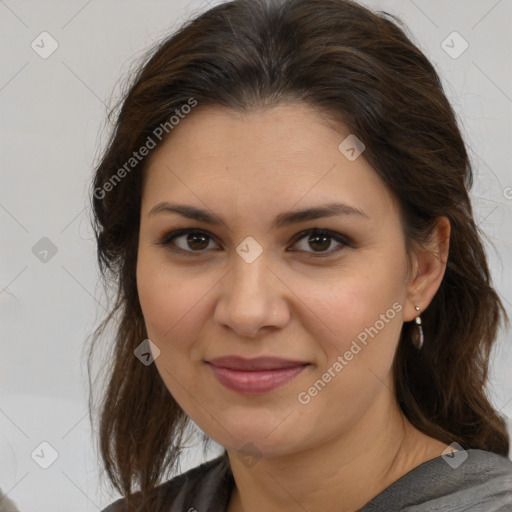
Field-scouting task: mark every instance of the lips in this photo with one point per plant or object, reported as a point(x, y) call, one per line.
point(255, 376)
point(256, 364)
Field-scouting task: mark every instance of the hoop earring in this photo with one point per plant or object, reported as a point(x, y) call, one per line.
point(417, 336)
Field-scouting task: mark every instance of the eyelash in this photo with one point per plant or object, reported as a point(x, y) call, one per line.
point(169, 238)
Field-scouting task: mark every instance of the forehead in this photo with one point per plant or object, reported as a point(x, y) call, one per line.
point(277, 156)
point(277, 133)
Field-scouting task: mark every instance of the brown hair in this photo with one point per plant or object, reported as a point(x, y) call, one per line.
point(355, 67)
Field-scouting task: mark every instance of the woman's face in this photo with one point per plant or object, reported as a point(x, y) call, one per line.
point(256, 284)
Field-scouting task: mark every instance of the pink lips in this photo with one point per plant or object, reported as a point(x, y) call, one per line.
point(254, 376)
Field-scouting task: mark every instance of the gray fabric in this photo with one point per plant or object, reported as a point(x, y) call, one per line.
point(481, 483)
point(205, 488)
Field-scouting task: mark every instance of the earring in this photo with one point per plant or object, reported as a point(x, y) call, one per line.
point(417, 336)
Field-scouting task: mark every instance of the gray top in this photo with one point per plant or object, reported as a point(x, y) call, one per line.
point(480, 482)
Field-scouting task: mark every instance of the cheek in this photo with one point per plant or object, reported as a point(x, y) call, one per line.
point(164, 298)
point(153, 296)
point(364, 318)
point(172, 307)
point(365, 308)
point(175, 305)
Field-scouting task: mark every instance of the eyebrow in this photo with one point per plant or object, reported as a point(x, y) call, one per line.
point(283, 219)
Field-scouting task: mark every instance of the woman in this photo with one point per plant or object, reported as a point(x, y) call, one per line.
point(284, 209)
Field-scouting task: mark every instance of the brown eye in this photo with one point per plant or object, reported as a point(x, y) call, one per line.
point(318, 241)
point(187, 241)
point(197, 241)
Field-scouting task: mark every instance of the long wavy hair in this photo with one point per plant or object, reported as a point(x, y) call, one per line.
point(355, 67)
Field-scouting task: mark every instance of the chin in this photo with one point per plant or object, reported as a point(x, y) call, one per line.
point(259, 441)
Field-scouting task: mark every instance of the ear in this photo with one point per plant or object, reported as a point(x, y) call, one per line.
point(429, 265)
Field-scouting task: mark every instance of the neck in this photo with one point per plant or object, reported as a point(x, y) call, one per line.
point(343, 473)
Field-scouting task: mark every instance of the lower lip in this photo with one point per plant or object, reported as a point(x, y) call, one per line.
point(255, 382)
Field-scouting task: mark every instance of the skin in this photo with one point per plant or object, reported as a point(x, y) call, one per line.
point(351, 440)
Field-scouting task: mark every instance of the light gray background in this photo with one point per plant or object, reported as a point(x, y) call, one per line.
point(52, 112)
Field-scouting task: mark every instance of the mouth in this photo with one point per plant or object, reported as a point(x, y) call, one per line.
point(255, 376)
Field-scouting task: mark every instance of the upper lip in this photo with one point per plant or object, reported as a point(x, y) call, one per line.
point(258, 363)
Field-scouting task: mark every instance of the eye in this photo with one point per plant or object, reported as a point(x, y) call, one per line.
point(187, 241)
point(320, 240)
point(190, 241)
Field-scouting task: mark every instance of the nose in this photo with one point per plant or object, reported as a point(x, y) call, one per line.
point(253, 298)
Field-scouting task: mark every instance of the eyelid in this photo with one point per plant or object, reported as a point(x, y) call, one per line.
point(169, 237)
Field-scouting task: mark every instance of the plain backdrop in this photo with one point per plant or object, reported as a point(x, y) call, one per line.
point(53, 110)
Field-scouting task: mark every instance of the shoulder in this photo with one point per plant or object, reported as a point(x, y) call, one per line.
point(471, 480)
point(205, 487)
